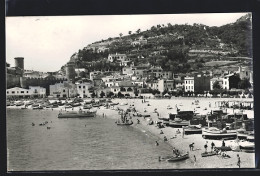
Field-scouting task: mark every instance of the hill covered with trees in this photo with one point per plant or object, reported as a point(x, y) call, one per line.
point(178, 48)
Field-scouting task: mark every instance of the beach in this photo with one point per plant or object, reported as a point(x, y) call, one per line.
point(179, 141)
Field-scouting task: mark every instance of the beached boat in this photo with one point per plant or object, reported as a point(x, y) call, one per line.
point(178, 158)
point(124, 123)
point(75, 104)
point(87, 106)
point(246, 145)
point(178, 123)
point(113, 104)
point(19, 103)
point(192, 129)
point(215, 133)
point(77, 114)
point(205, 154)
point(224, 148)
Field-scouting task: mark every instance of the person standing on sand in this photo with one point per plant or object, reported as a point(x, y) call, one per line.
point(206, 146)
point(156, 143)
point(182, 132)
point(194, 158)
point(212, 146)
point(238, 161)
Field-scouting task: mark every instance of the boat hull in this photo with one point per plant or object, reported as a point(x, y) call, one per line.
point(207, 134)
point(180, 158)
point(76, 115)
point(206, 154)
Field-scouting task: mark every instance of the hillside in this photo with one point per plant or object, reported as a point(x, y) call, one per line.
point(179, 48)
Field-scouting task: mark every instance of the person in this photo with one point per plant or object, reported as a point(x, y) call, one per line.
point(194, 158)
point(161, 132)
point(183, 132)
point(191, 146)
point(212, 146)
point(156, 143)
point(138, 121)
point(165, 138)
point(223, 143)
point(174, 151)
point(159, 159)
point(206, 146)
point(238, 161)
point(177, 153)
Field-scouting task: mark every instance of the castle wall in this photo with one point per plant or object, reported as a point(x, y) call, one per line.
point(12, 81)
point(42, 82)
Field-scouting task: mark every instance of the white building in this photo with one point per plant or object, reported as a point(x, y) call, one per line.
point(33, 91)
point(64, 89)
point(83, 89)
point(189, 84)
point(114, 57)
point(128, 71)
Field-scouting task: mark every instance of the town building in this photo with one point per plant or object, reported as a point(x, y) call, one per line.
point(65, 89)
point(128, 71)
point(33, 91)
point(189, 84)
point(165, 84)
point(84, 89)
point(213, 80)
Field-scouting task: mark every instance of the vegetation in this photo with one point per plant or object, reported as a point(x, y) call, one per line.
point(168, 46)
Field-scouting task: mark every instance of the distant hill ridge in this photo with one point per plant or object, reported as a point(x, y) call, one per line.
point(165, 45)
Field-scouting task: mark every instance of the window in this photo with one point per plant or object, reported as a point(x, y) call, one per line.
point(22, 91)
point(191, 87)
point(27, 91)
point(83, 91)
point(13, 92)
point(186, 82)
point(17, 91)
point(186, 87)
point(83, 87)
point(114, 90)
point(63, 90)
point(79, 87)
point(7, 92)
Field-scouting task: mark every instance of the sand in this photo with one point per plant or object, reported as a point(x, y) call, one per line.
point(181, 143)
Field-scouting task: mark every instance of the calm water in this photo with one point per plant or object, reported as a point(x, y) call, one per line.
point(70, 145)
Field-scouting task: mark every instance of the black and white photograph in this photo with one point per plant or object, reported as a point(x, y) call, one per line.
point(130, 92)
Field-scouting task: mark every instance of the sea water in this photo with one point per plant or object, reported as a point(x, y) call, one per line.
point(80, 144)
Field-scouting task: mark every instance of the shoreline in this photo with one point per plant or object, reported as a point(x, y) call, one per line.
point(182, 144)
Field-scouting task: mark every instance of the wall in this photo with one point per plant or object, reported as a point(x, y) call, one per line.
point(12, 81)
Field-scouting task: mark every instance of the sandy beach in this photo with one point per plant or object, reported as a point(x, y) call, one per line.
point(180, 142)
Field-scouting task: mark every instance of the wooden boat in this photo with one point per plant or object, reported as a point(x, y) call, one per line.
point(224, 148)
point(192, 129)
point(75, 104)
point(178, 158)
point(77, 114)
point(124, 123)
point(205, 154)
point(87, 106)
point(246, 145)
point(178, 123)
point(215, 133)
point(19, 103)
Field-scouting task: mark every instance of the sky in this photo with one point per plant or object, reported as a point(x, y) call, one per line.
point(47, 42)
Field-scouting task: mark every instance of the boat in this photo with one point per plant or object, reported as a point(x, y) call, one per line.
point(192, 129)
point(178, 123)
point(224, 148)
point(178, 158)
point(246, 145)
point(205, 154)
point(77, 114)
point(124, 123)
point(87, 106)
point(19, 103)
point(75, 104)
point(215, 133)
point(113, 104)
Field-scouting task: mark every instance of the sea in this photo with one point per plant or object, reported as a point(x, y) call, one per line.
point(81, 144)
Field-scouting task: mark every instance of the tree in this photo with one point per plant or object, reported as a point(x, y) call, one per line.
point(93, 95)
point(138, 31)
point(110, 94)
point(102, 94)
point(244, 84)
point(120, 95)
point(129, 32)
point(120, 35)
point(216, 85)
